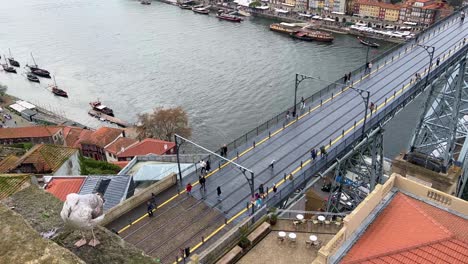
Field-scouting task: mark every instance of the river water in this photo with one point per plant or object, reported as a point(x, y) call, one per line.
point(229, 77)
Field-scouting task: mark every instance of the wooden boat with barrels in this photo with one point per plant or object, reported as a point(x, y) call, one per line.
point(313, 36)
point(228, 17)
point(284, 27)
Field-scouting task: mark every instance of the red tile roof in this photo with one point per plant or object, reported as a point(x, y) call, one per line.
point(45, 158)
point(147, 146)
point(102, 137)
point(28, 132)
point(411, 231)
point(61, 187)
point(121, 164)
point(120, 145)
point(72, 135)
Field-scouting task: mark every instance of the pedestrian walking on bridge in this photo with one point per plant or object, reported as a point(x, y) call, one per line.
point(323, 151)
point(202, 181)
point(224, 150)
point(188, 188)
point(218, 191)
point(261, 189)
point(272, 164)
point(313, 154)
point(302, 103)
point(349, 77)
point(149, 208)
point(437, 61)
point(462, 16)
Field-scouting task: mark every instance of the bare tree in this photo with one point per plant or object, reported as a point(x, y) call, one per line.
point(164, 123)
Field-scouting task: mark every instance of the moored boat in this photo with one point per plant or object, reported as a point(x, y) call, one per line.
point(228, 17)
point(368, 43)
point(201, 10)
point(145, 2)
point(313, 36)
point(285, 27)
point(99, 107)
point(32, 77)
point(38, 71)
point(12, 60)
point(302, 35)
point(7, 67)
point(185, 6)
point(57, 91)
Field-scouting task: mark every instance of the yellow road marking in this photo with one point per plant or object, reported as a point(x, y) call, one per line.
point(282, 181)
point(278, 131)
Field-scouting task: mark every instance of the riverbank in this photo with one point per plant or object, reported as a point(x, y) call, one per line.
point(42, 116)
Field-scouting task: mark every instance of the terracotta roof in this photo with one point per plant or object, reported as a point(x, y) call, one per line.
point(11, 183)
point(121, 164)
point(8, 163)
point(411, 231)
point(46, 158)
point(102, 137)
point(120, 144)
point(28, 132)
point(147, 146)
point(72, 135)
point(60, 187)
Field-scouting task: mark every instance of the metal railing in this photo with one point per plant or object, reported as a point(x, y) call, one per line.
point(280, 119)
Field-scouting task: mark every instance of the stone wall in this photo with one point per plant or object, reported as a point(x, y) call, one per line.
point(139, 198)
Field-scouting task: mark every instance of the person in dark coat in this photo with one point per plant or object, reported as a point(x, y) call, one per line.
point(149, 208)
point(261, 189)
point(218, 191)
point(208, 165)
point(202, 181)
point(313, 154)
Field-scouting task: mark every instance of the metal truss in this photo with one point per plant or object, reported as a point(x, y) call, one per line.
point(357, 174)
point(440, 133)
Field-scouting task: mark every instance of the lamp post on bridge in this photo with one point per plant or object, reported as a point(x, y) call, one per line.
point(430, 50)
point(364, 94)
point(243, 170)
point(299, 79)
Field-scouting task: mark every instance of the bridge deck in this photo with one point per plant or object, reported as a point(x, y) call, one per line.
point(290, 145)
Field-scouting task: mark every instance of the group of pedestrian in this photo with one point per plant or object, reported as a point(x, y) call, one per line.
point(151, 205)
point(224, 150)
point(347, 78)
point(314, 153)
point(205, 166)
point(417, 76)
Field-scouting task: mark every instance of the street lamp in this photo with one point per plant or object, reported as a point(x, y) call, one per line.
point(430, 50)
point(365, 96)
point(243, 170)
point(299, 79)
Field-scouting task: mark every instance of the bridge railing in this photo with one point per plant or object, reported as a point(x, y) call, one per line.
point(336, 151)
point(326, 92)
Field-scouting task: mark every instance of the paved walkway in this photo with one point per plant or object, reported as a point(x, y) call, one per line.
point(325, 125)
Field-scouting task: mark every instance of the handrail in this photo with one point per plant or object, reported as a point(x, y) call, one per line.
point(330, 89)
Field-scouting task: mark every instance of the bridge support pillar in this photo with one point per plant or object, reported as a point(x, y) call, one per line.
point(357, 174)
